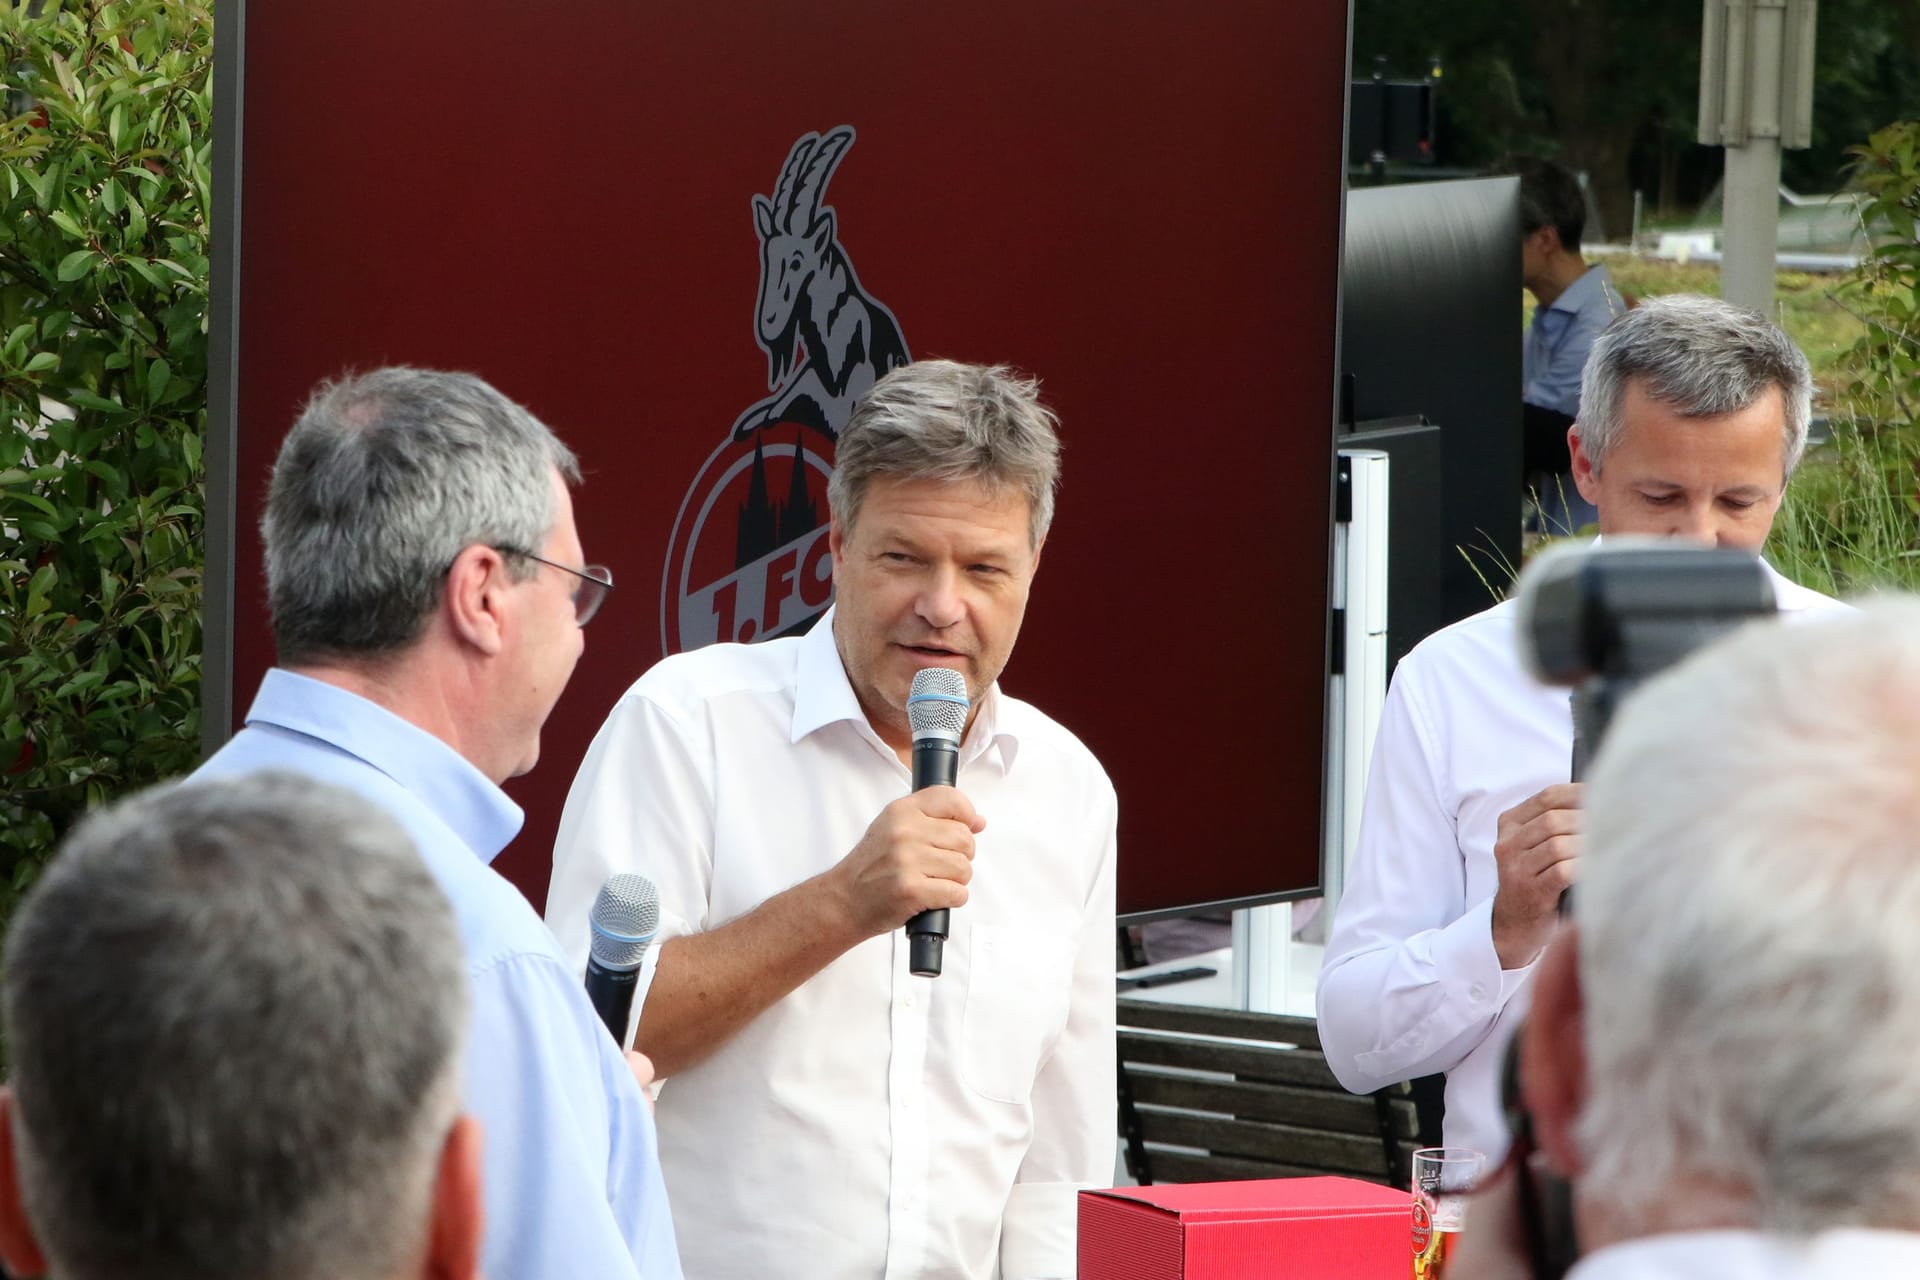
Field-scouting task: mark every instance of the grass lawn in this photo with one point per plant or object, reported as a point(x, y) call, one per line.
point(1803, 304)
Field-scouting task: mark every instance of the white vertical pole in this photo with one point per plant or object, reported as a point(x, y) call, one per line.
point(1269, 957)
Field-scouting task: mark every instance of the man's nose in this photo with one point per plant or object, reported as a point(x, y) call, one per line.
point(1697, 524)
point(939, 604)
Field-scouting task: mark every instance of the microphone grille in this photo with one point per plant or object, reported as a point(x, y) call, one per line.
point(937, 704)
point(624, 918)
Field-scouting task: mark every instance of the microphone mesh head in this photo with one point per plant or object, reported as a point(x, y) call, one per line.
point(624, 917)
point(937, 704)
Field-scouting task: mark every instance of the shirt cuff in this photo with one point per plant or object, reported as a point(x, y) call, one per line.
point(1464, 951)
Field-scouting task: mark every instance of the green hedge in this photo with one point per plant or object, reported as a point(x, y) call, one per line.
point(105, 169)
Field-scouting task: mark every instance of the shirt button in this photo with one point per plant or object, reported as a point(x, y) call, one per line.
point(1478, 992)
point(908, 1001)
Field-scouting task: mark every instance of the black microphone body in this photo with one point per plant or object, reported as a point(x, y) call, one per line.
point(611, 992)
point(937, 711)
point(936, 763)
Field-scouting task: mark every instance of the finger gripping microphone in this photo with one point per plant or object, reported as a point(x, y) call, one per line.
point(623, 920)
point(937, 714)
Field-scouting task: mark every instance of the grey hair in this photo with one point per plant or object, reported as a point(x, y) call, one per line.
point(1748, 956)
point(1700, 357)
point(942, 420)
point(384, 479)
point(236, 1010)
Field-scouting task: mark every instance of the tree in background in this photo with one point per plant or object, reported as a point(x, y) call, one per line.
point(1611, 87)
point(105, 172)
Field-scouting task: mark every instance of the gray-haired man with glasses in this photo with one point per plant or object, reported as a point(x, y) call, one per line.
point(428, 591)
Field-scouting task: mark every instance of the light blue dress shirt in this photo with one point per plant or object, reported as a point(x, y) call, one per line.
point(573, 1187)
point(1560, 337)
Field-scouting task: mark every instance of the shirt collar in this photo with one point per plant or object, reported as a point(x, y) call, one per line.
point(1593, 284)
point(443, 780)
point(823, 695)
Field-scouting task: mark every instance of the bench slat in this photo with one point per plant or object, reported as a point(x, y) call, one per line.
point(1300, 1067)
point(1309, 1108)
point(1171, 1166)
point(1282, 1144)
point(1200, 1021)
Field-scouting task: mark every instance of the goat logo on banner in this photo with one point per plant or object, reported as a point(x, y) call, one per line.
point(749, 559)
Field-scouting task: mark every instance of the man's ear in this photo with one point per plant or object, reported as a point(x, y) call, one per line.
point(1553, 1053)
point(1038, 547)
point(472, 597)
point(19, 1248)
point(836, 545)
point(1586, 476)
point(459, 1214)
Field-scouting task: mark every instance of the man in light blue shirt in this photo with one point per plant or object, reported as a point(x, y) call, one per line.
point(1573, 303)
point(425, 580)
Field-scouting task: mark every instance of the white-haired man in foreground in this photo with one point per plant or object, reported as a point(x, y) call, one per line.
point(1722, 1050)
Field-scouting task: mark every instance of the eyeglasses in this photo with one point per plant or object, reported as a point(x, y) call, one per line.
point(596, 580)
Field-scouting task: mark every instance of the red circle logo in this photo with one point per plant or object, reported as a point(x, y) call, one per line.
point(748, 559)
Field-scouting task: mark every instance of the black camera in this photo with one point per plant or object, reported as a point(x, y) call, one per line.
point(1603, 617)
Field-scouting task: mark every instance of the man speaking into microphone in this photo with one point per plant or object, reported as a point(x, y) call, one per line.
point(826, 1111)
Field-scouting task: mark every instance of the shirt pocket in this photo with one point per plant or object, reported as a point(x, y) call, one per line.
point(1018, 990)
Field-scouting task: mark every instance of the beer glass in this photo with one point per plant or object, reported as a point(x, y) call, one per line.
point(1442, 1177)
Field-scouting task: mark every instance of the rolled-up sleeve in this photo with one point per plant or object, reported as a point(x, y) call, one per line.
point(640, 803)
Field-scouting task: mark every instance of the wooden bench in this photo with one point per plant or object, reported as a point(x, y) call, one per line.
point(1211, 1095)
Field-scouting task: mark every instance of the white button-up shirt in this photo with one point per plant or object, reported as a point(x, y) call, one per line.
point(871, 1123)
point(1410, 983)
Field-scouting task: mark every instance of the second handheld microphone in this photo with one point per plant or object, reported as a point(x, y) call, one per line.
point(937, 713)
point(625, 914)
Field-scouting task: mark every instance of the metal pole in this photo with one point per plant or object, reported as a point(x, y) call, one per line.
point(223, 377)
point(1757, 33)
point(1748, 260)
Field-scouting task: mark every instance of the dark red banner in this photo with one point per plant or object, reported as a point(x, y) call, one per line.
point(610, 209)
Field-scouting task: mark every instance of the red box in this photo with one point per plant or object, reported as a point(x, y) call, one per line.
point(1274, 1229)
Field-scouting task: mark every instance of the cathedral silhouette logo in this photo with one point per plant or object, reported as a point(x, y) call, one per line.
point(743, 563)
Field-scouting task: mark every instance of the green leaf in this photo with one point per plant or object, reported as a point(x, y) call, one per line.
point(157, 374)
point(76, 264)
point(81, 399)
point(43, 360)
point(38, 589)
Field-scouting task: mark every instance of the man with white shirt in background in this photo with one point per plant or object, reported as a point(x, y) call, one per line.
point(824, 1112)
point(1694, 413)
point(1721, 1051)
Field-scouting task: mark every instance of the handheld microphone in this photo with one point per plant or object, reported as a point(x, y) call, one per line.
point(623, 920)
point(937, 714)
